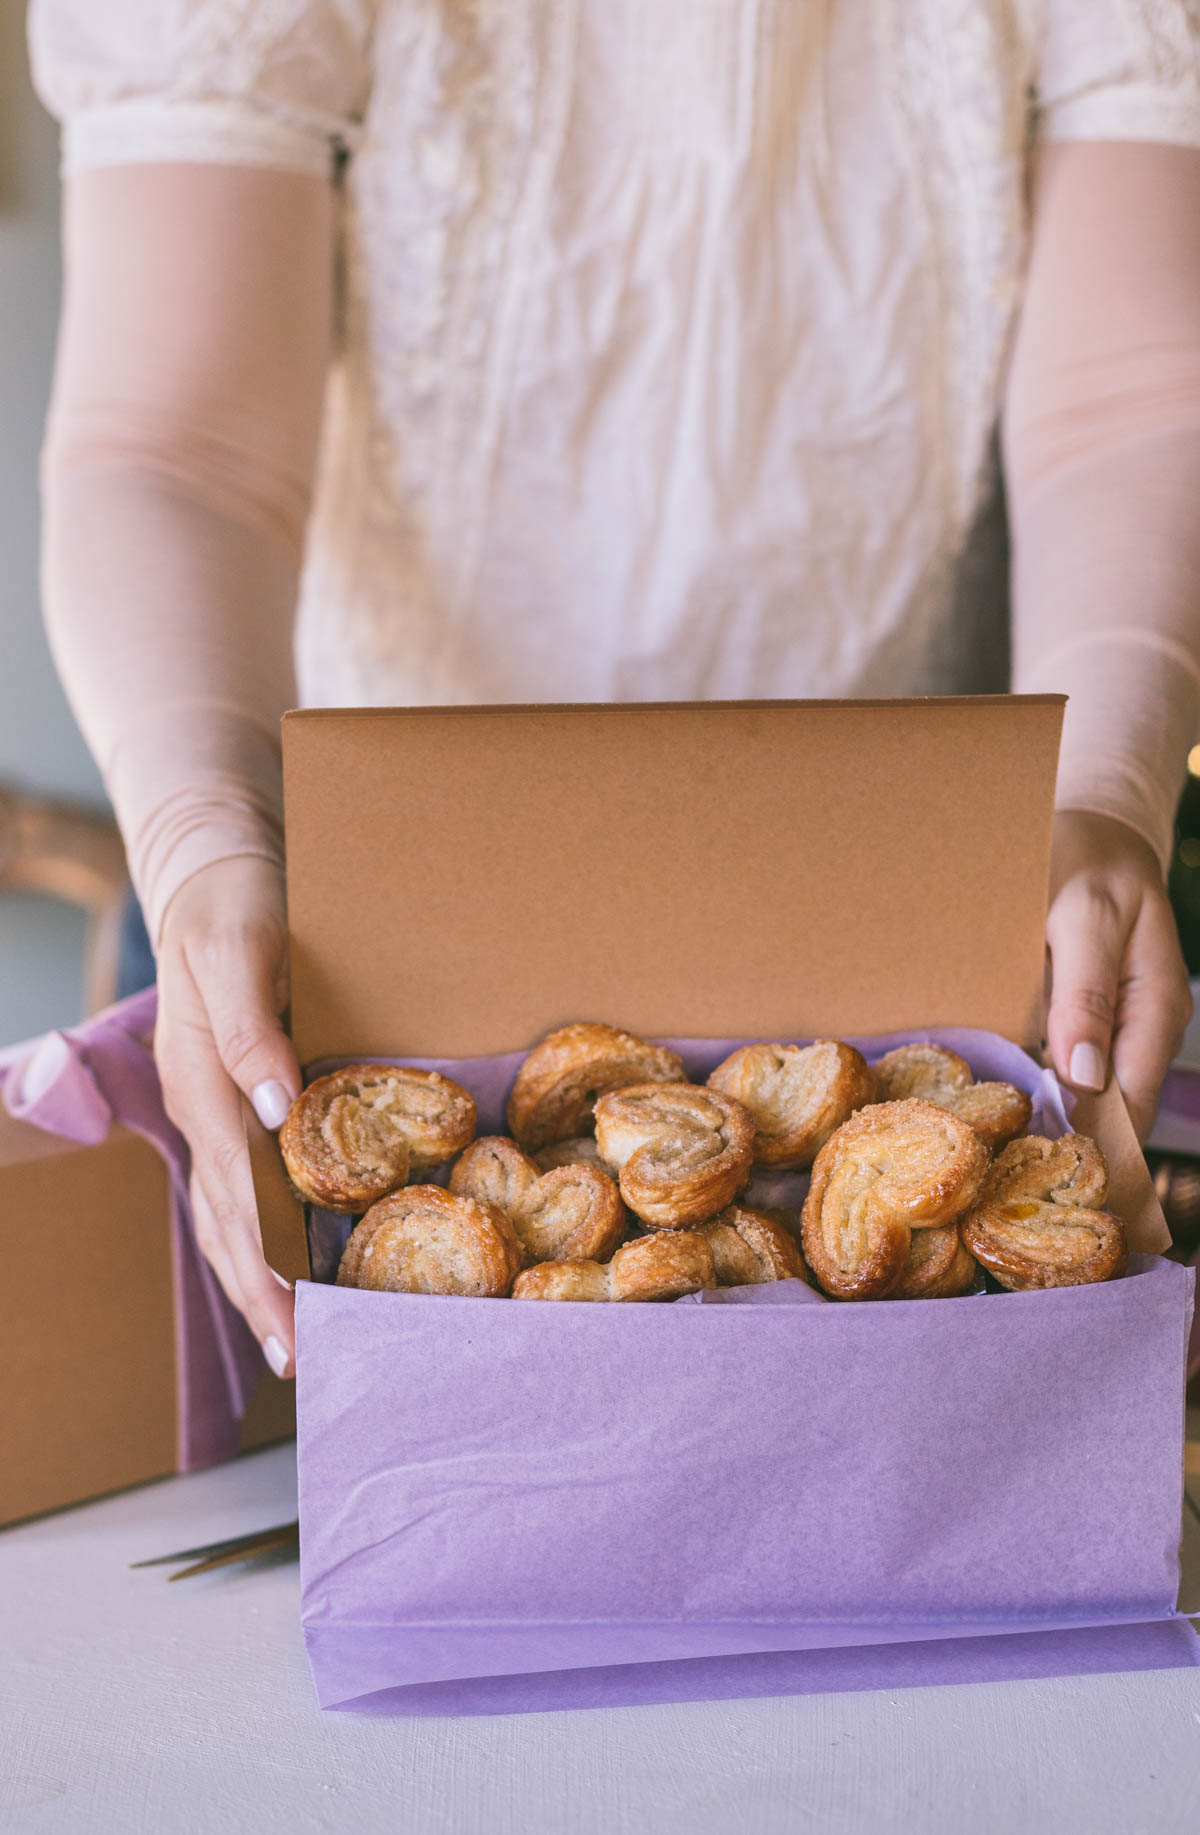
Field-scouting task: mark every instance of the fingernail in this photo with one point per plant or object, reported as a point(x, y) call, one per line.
point(1087, 1069)
point(275, 1352)
point(274, 1272)
point(271, 1103)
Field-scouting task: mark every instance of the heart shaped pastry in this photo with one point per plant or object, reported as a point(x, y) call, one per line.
point(360, 1132)
point(579, 1150)
point(661, 1267)
point(1040, 1223)
point(571, 1213)
point(426, 1240)
point(797, 1094)
point(681, 1153)
point(997, 1111)
point(750, 1247)
point(555, 1093)
point(890, 1169)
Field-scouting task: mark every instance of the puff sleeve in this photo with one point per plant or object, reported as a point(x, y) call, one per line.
point(234, 82)
point(1117, 70)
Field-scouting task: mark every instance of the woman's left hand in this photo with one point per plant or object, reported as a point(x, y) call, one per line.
point(1119, 993)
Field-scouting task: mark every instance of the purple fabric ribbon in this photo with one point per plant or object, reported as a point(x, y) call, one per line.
point(75, 1084)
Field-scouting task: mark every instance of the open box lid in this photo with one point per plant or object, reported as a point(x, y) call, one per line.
point(462, 880)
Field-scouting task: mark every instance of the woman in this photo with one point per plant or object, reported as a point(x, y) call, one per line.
point(665, 343)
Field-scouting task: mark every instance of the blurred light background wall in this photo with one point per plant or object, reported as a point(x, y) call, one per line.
point(41, 939)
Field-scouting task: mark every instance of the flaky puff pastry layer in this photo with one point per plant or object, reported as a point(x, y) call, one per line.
point(1041, 1223)
point(579, 1150)
point(890, 1169)
point(426, 1240)
point(556, 1089)
point(750, 1247)
point(571, 1213)
point(997, 1111)
point(360, 1132)
point(939, 1267)
point(681, 1153)
point(662, 1267)
point(797, 1094)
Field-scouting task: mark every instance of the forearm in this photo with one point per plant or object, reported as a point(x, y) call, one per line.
point(170, 623)
point(177, 476)
point(1106, 597)
point(1102, 450)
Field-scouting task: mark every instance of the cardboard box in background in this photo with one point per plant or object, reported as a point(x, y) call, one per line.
point(87, 1349)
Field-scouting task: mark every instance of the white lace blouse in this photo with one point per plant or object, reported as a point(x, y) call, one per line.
point(673, 331)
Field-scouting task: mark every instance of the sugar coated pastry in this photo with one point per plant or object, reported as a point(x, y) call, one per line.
point(555, 1093)
point(997, 1111)
point(1040, 1223)
point(751, 1246)
point(890, 1169)
point(682, 1153)
point(797, 1094)
point(426, 1240)
point(661, 1267)
point(580, 1150)
point(939, 1267)
point(360, 1132)
point(571, 1213)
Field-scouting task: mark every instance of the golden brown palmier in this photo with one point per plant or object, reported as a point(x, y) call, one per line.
point(362, 1131)
point(681, 1153)
point(555, 1093)
point(580, 1150)
point(797, 1094)
point(1040, 1223)
point(939, 1267)
point(891, 1168)
point(997, 1111)
point(750, 1247)
point(426, 1240)
point(662, 1267)
point(571, 1213)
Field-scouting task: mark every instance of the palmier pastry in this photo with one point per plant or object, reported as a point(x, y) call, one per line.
point(571, 1213)
point(890, 1169)
point(426, 1240)
point(580, 1150)
point(555, 1093)
point(1040, 1223)
point(662, 1267)
point(362, 1131)
point(682, 1153)
point(997, 1111)
point(750, 1247)
point(938, 1267)
point(797, 1094)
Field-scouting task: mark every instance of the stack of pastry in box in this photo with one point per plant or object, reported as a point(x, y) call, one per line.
point(621, 1180)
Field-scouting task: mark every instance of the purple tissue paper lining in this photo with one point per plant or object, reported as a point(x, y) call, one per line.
point(84, 1079)
point(506, 1508)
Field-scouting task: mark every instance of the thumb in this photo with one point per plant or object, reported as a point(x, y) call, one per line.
point(1086, 944)
point(240, 982)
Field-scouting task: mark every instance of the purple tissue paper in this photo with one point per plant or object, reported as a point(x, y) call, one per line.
point(507, 1507)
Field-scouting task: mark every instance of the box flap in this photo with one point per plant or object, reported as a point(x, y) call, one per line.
point(461, 880)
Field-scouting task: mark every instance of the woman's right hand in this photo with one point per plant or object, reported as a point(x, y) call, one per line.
point(222, 986)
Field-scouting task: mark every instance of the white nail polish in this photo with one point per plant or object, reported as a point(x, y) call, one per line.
point(1087, 1069)
point(283, 1281)
point(271, 1103)
point(275, 1352)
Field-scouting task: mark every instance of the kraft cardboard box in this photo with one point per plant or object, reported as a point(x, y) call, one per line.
point(88, 1365)
point(460, 881)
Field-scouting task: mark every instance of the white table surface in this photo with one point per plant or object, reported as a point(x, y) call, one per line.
point(129, 1704)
